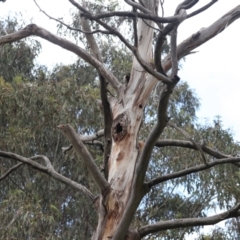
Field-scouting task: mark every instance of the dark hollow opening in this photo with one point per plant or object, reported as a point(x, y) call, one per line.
point(119, 128)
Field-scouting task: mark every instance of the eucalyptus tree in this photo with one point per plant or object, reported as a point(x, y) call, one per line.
point(126, 181)
point(18, 56)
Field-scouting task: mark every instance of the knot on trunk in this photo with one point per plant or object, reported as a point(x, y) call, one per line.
point(119, 127)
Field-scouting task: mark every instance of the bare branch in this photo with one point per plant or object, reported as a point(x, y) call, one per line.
point(128, 45)
point(185, 134)
point(33, 29)
point(107, 113)
point(113, 31)
point(86, 138)
point(173, 43)
point(152, 138)
point(158, 48)
point(138, 6)
point(92, 137)
point(48, 170)
point(202, 9)
point(191, 170)
point(68, 26)
point(149, 69)
point(15, 167)
point(160, 41)
point(82, 151)
point(202, 36)
point(17, 213)
point(189, 222)
point(186, 4)
point(150, 16)
point(135, 33)
point(188, 144)
point(106, 26)
point(96, 143)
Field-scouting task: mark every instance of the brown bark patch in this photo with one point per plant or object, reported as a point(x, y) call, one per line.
point(120, 156)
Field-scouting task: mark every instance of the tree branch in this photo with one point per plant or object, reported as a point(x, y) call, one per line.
point(202, 36)
point(149, 69)
point(186, 4)
point(189, 222)
point(138, 6)
point(106, 26)
point(33, 29)
point(107, 113)
point(191, 170)
point(135, 33)
point(82, 151)
point(150, 16)
point(188, 144)
point(202, 9)
point(48, 170)
point(68, 26)
point(15, 167)
point(173, 43)
point(113, 31)
point(185, 134)
point(86, 138)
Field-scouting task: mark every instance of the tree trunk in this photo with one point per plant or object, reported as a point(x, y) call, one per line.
point(127, 114)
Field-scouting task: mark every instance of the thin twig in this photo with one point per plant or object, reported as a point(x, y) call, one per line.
point(202, 9)
point(198, 146)
point(68, 26)
point(15, 167)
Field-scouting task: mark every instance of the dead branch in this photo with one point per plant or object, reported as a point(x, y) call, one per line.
point(188, 144)
point(107, 113)
point(15, 167)
point(198, 146)
point(173, 43)
point(48, 170)
point(82, 151)
point(34, 30)
point(189, 222)
point(192, 170)
point(68, 26)
point(186, 4)
point(202, 36)
point(150, 16)
point(138, 6)
point(202, 9)
point(86, 138)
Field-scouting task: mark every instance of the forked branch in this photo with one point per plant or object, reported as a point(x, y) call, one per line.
point(82, 151)
point(48, 170)
point(15, 167)
point(202, 36)
point(191, 170)
point(34, 30)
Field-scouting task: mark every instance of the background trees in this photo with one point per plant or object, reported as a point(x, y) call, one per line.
point(33, 205)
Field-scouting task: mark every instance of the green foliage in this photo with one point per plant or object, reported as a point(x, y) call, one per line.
point(215, 234)
point(18, 56)
point(40, 206)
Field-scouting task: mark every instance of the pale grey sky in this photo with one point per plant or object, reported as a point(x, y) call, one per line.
point(212, 72)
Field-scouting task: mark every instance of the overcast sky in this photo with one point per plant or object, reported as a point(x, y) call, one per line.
point(212, 71)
